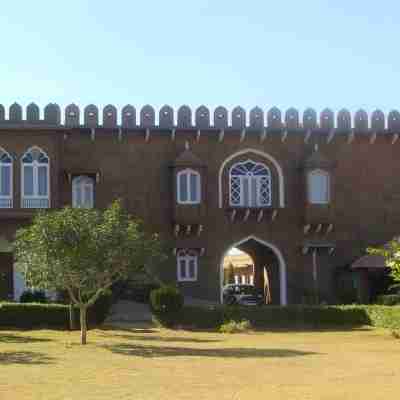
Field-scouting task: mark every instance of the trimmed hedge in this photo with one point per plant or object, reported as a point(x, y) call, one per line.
point(290, 317)
point(34, 315)
point(39, 315)
point(389, 299)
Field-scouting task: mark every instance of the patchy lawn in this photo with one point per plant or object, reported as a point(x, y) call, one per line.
point(161, 364)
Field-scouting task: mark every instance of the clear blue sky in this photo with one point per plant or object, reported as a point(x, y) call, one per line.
point(285, 53)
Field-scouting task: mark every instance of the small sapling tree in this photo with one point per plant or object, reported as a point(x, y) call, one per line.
point(391, 253)
point(84, 251)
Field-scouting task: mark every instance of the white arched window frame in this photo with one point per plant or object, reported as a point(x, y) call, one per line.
point(6, 179)
point(35, 179)
point(187, 265)
point(188, 187)
point(318, 182)
point(250, 185)
point(82, 192)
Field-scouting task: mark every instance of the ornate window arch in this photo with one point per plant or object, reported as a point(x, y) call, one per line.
point(35, 179)
point(318, 182)
point(250, 185)
point(82, 192)
point(6, 179)
point(187, 264)
point(188, 186)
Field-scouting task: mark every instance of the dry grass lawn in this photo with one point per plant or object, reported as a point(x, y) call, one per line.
point(161, 364)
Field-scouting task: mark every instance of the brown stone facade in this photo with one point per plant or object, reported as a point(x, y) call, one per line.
point(137, 161)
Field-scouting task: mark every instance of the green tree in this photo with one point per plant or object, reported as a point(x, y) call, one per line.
point(84, 251)
point(391, 253)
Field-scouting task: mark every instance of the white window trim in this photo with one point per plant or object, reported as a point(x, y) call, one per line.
point(188, 172)
point(35, 164)
point(187, 256)
point(328, 188)
point(8, 198)
point(88, 183)
point(241, 178)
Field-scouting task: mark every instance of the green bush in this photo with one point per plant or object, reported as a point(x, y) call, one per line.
point(38, 315)
point(166, 304)
point(235, 326)
point(289, 317)
point(33, 315)
point(33, 296)
point(389, 299)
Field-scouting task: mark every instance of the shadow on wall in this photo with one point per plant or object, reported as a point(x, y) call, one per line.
point(129, 349)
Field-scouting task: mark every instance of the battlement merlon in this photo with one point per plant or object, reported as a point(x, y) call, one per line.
point(200, 120)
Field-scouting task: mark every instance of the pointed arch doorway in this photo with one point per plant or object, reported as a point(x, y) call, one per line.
point(269, 268)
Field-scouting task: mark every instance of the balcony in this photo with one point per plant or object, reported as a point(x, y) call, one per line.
point(6, 202)
point(35, 202)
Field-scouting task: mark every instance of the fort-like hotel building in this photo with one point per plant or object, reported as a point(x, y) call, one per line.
point(303, 196)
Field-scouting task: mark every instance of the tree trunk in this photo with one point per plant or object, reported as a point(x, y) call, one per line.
point(71, 317)
point(83, 324)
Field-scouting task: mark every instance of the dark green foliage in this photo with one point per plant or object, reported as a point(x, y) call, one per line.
point(33, 296)
point(33, 315)
point(166, 304)
point(389, 299)
point(37, 315)
point(166, 299)
point(290, 317)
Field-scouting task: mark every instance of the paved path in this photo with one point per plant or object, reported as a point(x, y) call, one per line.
point(128, 312)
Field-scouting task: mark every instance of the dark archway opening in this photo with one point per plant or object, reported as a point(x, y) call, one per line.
point(263, 273)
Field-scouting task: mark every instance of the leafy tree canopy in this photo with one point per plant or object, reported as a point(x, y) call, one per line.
point(84, 251)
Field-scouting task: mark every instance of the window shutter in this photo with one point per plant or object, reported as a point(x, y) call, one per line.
point(193, 187)
point(28, 180)
point(5, 180)
point(42, 181)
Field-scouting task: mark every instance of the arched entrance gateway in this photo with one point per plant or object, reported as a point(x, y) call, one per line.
point(269, 268)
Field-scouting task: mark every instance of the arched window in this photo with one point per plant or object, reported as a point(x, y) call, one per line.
point(82, 192)
point(188, 187)
point(6, 166)
point(35, 179)
point(250, 185)
point(318, 187)
point(186, 265)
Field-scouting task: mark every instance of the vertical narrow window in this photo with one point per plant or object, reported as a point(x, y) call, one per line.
point(6, 169)
point(82, 192)
point(188, 187)
point(250, 185)
point(35, 180)
point(318, 187)
point(187, 265)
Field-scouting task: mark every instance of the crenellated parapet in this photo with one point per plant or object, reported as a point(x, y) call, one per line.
point(201, 118)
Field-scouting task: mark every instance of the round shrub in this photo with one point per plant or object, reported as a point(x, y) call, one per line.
point(166, 299)
point(166, 303)
point(33, 296)
point(389, 300)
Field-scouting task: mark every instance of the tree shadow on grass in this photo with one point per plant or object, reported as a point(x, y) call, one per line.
point(24, 357)
point(157, 338)
point(128, 349)
point(107, 328)
point(10, 338)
